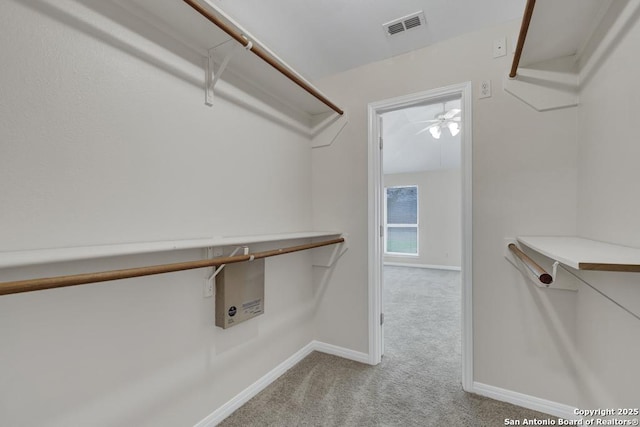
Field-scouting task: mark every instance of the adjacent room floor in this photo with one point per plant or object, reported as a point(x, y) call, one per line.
point(418, 382)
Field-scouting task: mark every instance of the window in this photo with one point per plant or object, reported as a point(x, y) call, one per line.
point(401, 231)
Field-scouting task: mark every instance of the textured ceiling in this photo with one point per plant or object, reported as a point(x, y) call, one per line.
point(320, 38)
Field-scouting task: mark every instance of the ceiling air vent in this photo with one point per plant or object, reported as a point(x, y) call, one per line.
point(395, 28)
point(405, 23)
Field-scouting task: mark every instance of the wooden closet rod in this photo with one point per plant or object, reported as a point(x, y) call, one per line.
point(538, 271)
point(82, 279)
point(524, 29)
point(262, 54)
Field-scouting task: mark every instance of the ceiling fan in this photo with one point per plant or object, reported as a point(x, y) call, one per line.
point(447, 119)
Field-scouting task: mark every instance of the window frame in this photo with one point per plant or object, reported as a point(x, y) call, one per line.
point(416, 225)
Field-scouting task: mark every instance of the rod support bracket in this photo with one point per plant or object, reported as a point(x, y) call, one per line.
point(554, 270)
point(211, 74)
point(249, 44)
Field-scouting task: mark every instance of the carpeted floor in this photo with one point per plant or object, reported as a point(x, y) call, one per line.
point(418, 382)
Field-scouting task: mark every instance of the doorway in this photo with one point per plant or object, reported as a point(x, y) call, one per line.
point(400, 236)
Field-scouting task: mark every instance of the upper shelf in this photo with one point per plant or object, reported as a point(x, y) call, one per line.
point(43, 256)
point(181, 21)
point(559, 43)
point(561, 28)
point(585, 254)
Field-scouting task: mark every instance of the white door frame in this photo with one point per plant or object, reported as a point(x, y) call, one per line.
point(376, 188)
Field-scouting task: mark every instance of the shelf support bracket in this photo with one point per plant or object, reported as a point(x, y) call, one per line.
point(327, 257)
point(211, 75)
point(217, 271)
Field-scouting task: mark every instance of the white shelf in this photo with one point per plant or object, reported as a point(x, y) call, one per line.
point(44, 256)
point(243, 240)
point(181, 22)
point(562, 39)
point(561, 28)
point(585, 254)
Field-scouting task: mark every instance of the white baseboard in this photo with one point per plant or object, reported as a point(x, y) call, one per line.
point(526, 401)
point(435, 267)
point(244, 396)
point(345, 353)
point(247, 394)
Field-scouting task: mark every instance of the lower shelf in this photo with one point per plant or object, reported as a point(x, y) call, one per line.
point(585, 254)
point(43, 256)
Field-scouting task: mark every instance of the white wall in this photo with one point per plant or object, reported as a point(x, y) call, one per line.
point(439, 223)
point(105, 138)
point(608, 210)
point(524, 183)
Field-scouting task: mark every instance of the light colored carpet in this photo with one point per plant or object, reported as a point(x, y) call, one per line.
point(418, 382)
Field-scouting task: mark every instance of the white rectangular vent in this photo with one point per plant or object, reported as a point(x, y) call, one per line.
point(405, 23)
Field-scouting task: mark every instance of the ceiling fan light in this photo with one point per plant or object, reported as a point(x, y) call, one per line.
point(435, 132)
point(454, 128)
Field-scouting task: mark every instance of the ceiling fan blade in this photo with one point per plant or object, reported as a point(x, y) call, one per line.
point(451, 113)
point(428, 121)
point(426, 129)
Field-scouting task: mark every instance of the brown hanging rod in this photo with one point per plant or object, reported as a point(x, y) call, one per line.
point(82, 279)
point(538, 271)
point(524, 29)
point(262, 54)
